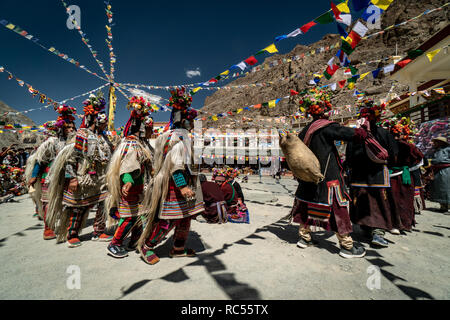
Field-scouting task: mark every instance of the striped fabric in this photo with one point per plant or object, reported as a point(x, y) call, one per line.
point(44, 192)
point(334, 189)
point(70, 201)
point(417, 191)
point(81, 141)
point(129, 206)
point(386, 181)
point(124, 227)
point(319, 212)
point(175, 205)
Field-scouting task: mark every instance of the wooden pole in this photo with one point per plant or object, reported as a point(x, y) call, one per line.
point(112, 107)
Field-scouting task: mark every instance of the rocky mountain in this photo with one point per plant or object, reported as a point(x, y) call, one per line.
point(22, 139)
point(396, 41)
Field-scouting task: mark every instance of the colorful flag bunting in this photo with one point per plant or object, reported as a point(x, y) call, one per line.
point(325, 18)
point(382, 4)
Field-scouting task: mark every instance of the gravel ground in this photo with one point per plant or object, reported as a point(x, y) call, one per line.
point(259, 260)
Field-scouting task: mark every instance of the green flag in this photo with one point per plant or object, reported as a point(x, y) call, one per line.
point(325, 18)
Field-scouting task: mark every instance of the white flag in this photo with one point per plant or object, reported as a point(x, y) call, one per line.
point(345, 18)
point(241, 65)
point(388, 68)
point(333, 86)
point(360, 29)
point(294, 33)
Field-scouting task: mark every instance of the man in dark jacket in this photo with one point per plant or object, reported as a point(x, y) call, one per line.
point(370, 181)
point(326, 203)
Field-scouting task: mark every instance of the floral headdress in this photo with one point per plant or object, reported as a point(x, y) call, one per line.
point(180, 99)
point(140, 112)
point(92, 107)
point(403, 128)
point(219, 173)
point(65, 115)
point(180, 102)
point(315, 102)
point(51, 128)
point(371, 111)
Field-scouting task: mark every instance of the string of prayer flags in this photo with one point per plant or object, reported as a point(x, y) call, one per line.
point(85, 40)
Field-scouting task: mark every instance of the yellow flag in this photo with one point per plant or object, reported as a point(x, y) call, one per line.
point(343, 7)
point(364, 75)
point(431, 54)
point(313, 52)
point(155, 107)
point(271, 48)
point(271, 103)
point(318, 75)
point(225, 73)
point(351, 85)
point(302, 109)
point(214, 118)
point(196, 89)
point(239, 110)
point(382, 4)
point(10, 26)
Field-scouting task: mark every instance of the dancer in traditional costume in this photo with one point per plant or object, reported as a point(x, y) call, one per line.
point(176, 191)
point(326, 203)
point(128, 172)
point(404, 175)
point(369, 180)
point(78, 176)
point(62, 131)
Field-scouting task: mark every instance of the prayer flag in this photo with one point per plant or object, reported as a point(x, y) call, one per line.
point(196, 89)
point(225, 73)
point(364, 75)
point(360, 29)
point(294, 93)
point(342, 83)
point(257, 106)
point(376, 72)
point(325, 18)
point(294, 33)
point(431, 54)
point(271, 49)
point(251, 61)
point(272, 103)
point(307, 26)
point(345, 19)
point(239, 110)
point(10, 26)
point(382, 4)
point(335, 10)
point(343, 7)
point(333, 86)
point(415, 53)
point(353, 70)
point(351, 85)
point(403, 62)
point(388, 68)
point(215, 118)
point(346, 47)
point(330, 71)
point(241, 65)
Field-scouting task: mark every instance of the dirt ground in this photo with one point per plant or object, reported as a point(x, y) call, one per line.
point(259, 260)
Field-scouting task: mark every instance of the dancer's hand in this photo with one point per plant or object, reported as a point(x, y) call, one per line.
point(187, 193)
point(32, 181)
point(73, 184)
point(126, 187)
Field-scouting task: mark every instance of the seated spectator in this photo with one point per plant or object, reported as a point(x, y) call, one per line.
point(215, 205)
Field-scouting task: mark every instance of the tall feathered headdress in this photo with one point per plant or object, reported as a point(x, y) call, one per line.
point(403, 128)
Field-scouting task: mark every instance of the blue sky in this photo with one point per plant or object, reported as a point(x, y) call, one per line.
point(156, 43)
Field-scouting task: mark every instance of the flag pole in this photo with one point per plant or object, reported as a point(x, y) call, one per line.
point(112, 107)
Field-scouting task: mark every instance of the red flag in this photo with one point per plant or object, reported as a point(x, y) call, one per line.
point(335, 10)
point(404, 63)
point(251, 61)
point(294, 93)
point(167, 127)
point(355, 39)
point(213, 80)
point(307, 26)
point(342, 83)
